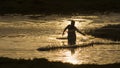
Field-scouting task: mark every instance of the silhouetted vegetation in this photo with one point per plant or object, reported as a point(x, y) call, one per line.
point(111, 32)
point(58, 6)
point(43, 63)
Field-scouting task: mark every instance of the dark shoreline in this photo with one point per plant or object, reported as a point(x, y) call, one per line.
point(58, 6)
point(43, 63)
point(110, 32)
point(66, 12)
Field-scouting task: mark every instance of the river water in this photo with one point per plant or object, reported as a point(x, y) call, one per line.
point(22, 35)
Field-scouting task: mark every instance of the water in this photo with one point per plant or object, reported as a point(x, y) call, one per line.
point(22, 35)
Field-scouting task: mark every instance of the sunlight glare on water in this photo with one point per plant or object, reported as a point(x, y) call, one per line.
point(71, 58)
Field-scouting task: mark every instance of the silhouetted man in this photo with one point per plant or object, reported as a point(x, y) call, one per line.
point(71, 33)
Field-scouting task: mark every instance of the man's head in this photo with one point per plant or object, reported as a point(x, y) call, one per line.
point(72, 22)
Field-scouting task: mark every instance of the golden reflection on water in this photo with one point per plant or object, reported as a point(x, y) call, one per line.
point(71, 58)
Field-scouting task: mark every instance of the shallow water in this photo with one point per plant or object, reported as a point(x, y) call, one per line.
point(21, 36)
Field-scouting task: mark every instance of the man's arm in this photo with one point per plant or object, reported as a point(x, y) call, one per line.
point(79, 31)
point(64, 30)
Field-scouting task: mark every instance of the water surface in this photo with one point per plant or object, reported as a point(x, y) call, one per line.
point(22, 35)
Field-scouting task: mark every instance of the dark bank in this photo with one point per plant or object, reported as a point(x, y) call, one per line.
point(111, 32)
point(58, 6)
point(38, 63)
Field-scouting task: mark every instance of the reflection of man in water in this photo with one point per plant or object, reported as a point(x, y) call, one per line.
point(71, 33)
